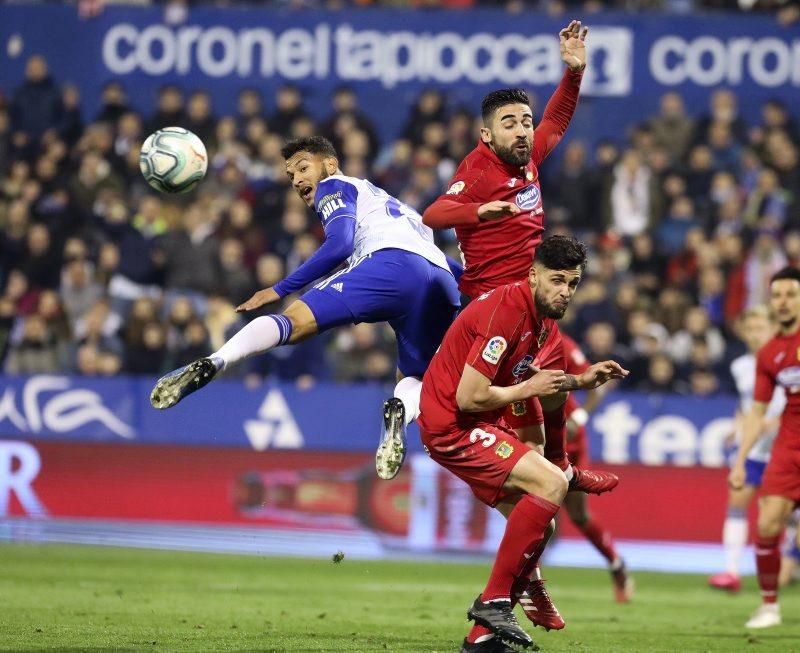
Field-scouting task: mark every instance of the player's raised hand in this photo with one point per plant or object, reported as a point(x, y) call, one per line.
point(496, 210)
point(601, 373)
point(543, 383)
point(261, 298)
point(573, 47)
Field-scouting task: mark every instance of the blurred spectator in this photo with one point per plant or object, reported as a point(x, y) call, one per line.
point(672, 128)
point(150, 355)
point(169, 111)
point(363, 354)
point(37, 352)
point(289, 103)
point(632, 195)
point(114, 103)
point(36, 106)
point(697, 326)
point(200, 119)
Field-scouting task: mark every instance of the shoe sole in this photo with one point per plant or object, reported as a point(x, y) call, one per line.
point(173, 387)
point(392, 450)
point(506, 637)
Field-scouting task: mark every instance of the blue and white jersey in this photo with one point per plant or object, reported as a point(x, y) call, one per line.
point(743, 370)
point(382, 221)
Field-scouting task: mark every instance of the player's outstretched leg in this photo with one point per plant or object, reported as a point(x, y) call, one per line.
point(260, 335)
point(392, 448)
point(180, 383)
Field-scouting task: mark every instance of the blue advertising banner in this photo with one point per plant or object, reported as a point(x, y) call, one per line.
point(389, 56)
point(626, 428)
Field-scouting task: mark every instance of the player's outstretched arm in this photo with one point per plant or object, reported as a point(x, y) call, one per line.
point(338, 245)
point(752, 430)
point(561, 106)
point(475, 392)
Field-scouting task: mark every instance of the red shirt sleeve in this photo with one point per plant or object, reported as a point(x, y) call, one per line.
point(765, 381)
point(460, 204)
point(557, 116)
point(493, 334)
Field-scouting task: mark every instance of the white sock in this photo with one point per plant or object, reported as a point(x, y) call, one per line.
point(260, 335)
point(408, 391)
point(734, 538)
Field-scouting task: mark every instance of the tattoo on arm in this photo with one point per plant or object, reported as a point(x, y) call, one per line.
point(571, 383)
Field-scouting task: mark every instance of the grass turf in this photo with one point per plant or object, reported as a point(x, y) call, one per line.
point(71, 598)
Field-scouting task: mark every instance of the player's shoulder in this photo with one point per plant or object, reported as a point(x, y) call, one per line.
point(473, 169)
point(337, 187)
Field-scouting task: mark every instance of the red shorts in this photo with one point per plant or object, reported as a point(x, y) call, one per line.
point(578, 449)
point(782, 475)
point(524, 413)
point(482, 456)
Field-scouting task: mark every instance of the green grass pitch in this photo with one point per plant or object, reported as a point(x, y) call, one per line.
point(72, 598)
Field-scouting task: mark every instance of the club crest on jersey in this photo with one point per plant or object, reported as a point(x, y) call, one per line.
point(518, 408)
point(504, 450)
point(523, 365)
point(543, 337)
point(494, 349)
point(528, 198)
point(456, 188)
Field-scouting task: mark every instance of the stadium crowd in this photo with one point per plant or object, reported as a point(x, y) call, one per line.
point(99, 275)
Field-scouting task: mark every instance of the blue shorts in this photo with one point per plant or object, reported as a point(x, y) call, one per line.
point(753, 471)
point(418, 299)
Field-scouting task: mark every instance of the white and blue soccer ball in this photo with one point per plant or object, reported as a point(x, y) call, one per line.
point(173, 160)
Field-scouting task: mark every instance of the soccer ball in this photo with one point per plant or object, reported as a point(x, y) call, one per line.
point(173, 160)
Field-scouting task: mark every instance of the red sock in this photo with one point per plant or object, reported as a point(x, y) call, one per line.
point(600, 538)
point(555, 436)
point(531, 568)
point(523, 535)
point(476, 632)
point(768, 564)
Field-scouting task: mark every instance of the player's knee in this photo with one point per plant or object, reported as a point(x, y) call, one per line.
point(556, 484)
point(304, 325)
point(769, 525)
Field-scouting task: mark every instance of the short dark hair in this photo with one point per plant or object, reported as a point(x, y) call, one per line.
point(501, 97)
point(561, 253)
point(311, 144)
point(788, 272)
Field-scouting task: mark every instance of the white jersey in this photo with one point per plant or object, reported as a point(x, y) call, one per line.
point(382, 221)
point(743, 370)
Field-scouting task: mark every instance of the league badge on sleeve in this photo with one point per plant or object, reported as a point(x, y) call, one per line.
point(494, 349)
point(456, 188)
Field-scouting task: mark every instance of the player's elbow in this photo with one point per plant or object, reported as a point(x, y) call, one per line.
point(469, 400)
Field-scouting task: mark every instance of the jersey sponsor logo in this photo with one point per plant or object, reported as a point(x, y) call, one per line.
point(494, 349)
point(529, 198)
point(330, 207)
point(522, 366)
point(518, 408)
point(789, 377)
point(504, 450)
point(456, 188)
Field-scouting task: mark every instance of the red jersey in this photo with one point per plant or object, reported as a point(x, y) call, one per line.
point(778, 363)
point(501, 336)
point(498, 252)
point(576, 364)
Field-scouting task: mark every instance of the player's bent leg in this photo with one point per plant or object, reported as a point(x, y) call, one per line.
point(258, 336)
